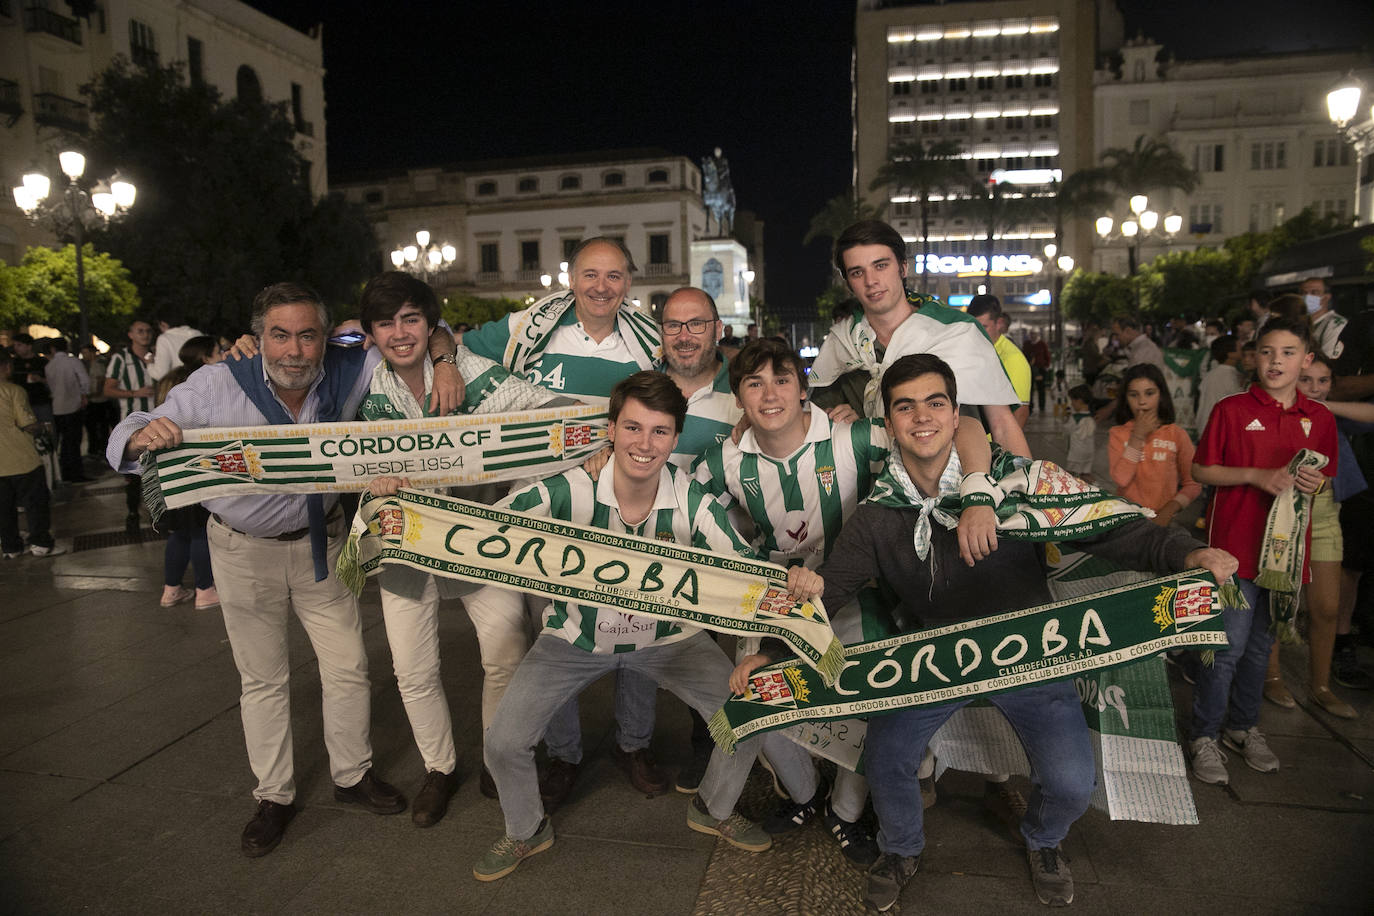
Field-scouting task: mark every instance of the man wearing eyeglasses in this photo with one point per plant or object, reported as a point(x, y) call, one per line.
point(690, 325)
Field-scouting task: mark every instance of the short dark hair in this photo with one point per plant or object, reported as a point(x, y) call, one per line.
point(985, 303)
point(1223, 347)
point(269, 297)
point(604, 240)
point(1150, 372)
point(386, 293)
point(869, 232)
point(194, 352)
point(22, 337)
point(1321, 280)
point(6, 358)
point(766, 351)
point(1081, 393)
point(915, 366)
point(1127, 321)
point(57, 344)
point(1298, 327)
point(1289, 305)
point(652, 389)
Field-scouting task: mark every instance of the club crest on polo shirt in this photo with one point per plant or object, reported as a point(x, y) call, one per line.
point(1306, 424)
point(826, 475)
point(1254, 426)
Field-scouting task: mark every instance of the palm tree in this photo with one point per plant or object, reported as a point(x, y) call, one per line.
point(988, 206)
point(838, 214)
point(1149, 165)
point(921, 169)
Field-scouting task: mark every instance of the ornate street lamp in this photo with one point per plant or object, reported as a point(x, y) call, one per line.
point(1144, 223)
point(1343, 106)
point(423, 259)
point(79, 208)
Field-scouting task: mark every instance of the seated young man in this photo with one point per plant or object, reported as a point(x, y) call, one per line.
point(798, 475)
point(936, 589)
point(639, 493)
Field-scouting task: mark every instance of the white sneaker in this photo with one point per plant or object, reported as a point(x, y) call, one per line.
point(1209, 762)
point(1251, 745)
point(53, 551)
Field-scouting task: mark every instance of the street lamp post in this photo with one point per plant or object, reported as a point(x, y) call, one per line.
point(424, 259)
point(1342, 106)
point(74, 211)
point(1061, 266)
point(1144, 223)
point(748, 275)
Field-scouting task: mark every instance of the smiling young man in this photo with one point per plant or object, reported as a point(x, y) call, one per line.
point(637, 492)
point(896, 540)
point(871, 256)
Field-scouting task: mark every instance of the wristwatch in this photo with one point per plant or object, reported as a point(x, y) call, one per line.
point(447, 358)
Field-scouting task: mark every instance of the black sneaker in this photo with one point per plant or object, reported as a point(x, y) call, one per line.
point(855, 841)
point(887, 877)
point(1345, 667)
point(791, 816)
point(1049, 869)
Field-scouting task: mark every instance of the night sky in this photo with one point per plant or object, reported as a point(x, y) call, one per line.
point(420, 84)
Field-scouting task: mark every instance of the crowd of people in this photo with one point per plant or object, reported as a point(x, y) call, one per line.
point(832, 470)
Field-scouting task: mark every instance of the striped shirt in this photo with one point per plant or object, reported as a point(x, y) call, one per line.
point(711, 414)
point(683, 513)
point(572, 364)
point(130, 374)
point(799, 504)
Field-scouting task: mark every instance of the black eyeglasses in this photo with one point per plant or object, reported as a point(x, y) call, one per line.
point(696, 326)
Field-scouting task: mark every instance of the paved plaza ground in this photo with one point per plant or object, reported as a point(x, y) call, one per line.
point(124, 785)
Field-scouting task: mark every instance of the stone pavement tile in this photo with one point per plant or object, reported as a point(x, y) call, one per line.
point(210, 759)
point(1316, 772)
point(26, 797)
point(1293, 857)
point(74, 857)
point(1202, 900)
point(582, 874)
point(37, 591)
point(934, 890)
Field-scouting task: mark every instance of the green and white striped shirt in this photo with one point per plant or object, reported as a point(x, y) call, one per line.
point(711, 414)
point(130, 374)
point(683, 513)
point(799, 504)
point(572, 364)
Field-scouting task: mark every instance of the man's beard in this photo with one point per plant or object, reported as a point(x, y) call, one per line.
point(289, 382)
point(704, 357)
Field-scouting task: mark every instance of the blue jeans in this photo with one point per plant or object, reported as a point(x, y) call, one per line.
point(695, 669)
point(1048, 718)
point(636, 710)
point(1231, 690)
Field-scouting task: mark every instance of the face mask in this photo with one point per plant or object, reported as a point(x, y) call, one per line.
point(1313, 303)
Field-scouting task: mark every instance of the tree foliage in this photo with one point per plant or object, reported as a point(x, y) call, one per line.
point(920, 170)
point(223, 206)
point(472, 310)
point(1147, 165)
point(1199, 283)
point(1097, 296)
point(41, 289)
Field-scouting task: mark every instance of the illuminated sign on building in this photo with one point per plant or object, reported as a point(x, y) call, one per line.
point(1003, 265)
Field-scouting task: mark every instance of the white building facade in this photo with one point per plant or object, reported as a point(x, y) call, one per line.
point(513, 223)
point(1255, 128)
point(47, 54)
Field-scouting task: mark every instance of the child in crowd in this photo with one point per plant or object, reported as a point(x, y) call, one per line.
point(1150, 456)
point(1082, 434)
point(1323, 595)
point(1245, 452)
point(187, 541)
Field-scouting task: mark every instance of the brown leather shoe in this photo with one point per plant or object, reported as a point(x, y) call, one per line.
point(265, 830)
point(644, 774)
point(487, 785)
point(373, 794)
point(557, 782)
point(431, 802)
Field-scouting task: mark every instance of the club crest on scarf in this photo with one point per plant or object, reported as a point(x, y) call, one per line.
point(238, 460)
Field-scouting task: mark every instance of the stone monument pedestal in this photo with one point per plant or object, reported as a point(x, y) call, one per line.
point(718, 266)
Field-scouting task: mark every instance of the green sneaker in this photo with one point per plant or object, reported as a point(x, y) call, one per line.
point(509, 852)
point(735, 830)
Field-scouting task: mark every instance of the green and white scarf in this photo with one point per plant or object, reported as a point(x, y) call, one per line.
point(488, 388)
point(984, 656)
point(1284, 546)
point(335, 457)
point(644, 576)
point(531, 329)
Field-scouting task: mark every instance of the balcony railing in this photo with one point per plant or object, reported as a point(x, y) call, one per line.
point(37, 19)
point(488, 277)
point(528, 275)
point(58, 111)
point(9, 98)
point(657, 270)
